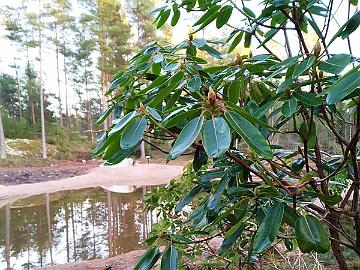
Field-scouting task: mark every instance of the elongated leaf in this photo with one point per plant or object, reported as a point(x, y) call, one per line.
point(123, 122)
point(200, 158)
point(133, 133)
point(223, 16)
point(158, 81)
point(176, 16)
point(186, 137)
point(148, 259)
point(234, 91)
point(164, 15)
point(207, 14)
point(268, 229)
point(251, 135)
point(121, 154)
point(173, 83)
point(216, 137)
point(229, 241)
point(103, 116)
point(289, 107)
point(153, 113)
point(214, 199)
point(308, 98)
point(336, 63)
point(251, 118)
point(235, 42)
point(169, 260)
point(343, 87)
point(311, 235)
point(350, 26)
point(187, 199)
point(303, 66)
point(194, 84)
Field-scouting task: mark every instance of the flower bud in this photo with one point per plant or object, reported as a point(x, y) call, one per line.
point(211, 96)
point(238, 59)
point(317, 48)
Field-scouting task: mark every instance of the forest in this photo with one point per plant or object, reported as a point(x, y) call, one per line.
point(71, 49)
point(252, 109)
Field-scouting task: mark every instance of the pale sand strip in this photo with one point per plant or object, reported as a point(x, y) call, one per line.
point(138, 175)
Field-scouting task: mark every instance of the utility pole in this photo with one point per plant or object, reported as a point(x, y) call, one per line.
point(42, 116)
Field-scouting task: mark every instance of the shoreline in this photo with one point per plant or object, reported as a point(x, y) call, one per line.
point(138, 175)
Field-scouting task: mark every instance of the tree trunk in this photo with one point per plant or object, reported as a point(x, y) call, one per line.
point(66, 96)
point(18, 89)
point(2, 139)
point(58, 77)
point(103, 97)
point(335, 246)
point(42, 115)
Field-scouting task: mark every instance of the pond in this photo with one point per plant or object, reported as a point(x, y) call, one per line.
point(70, 226)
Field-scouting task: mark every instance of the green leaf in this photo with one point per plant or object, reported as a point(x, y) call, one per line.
point(194, 84)
point(350, 26)
point(308, 98)
point(153, 113)
point(211, 51)
point(336, 63)
point(223, 16)
point(303, 66)
point(187, 199)
point(175, 18)
point(173, 83)
point(169, 260)
point(229, 241)
point(251, 135)
point(251, 118)
point(208, 14)
point(311, 235)
point(308, 135)
point(268, 229)
point(158, 58)
point(133, 133)
point(247, 41)
point(216, 137)
point(123, 122)
point(104, 115)
point(249, 12)
point(186, 137)
point(121, 154)
point(148, 259)
point(235, 42)
point(343, 87)
point(234, 91)
point(155, 83)
point(200, 158)
point(289, 107)
point(164, 15)
point(214, 199)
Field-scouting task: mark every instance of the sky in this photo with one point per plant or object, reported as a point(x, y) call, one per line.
point(180, 32)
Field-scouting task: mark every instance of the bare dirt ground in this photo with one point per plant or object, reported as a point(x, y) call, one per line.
point(47, 172)
point(121, 262)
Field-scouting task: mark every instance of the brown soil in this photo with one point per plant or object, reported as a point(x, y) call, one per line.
point(47, 172)
point(121, 262)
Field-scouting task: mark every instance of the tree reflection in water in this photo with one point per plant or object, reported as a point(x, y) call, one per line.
point(72, 226)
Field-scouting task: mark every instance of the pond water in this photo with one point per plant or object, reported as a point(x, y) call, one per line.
point(70, 226)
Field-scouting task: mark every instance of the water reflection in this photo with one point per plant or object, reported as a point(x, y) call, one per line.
point(71, 226)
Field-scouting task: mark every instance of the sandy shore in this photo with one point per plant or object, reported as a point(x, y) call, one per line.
point(121, 262)
point(138, 175)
